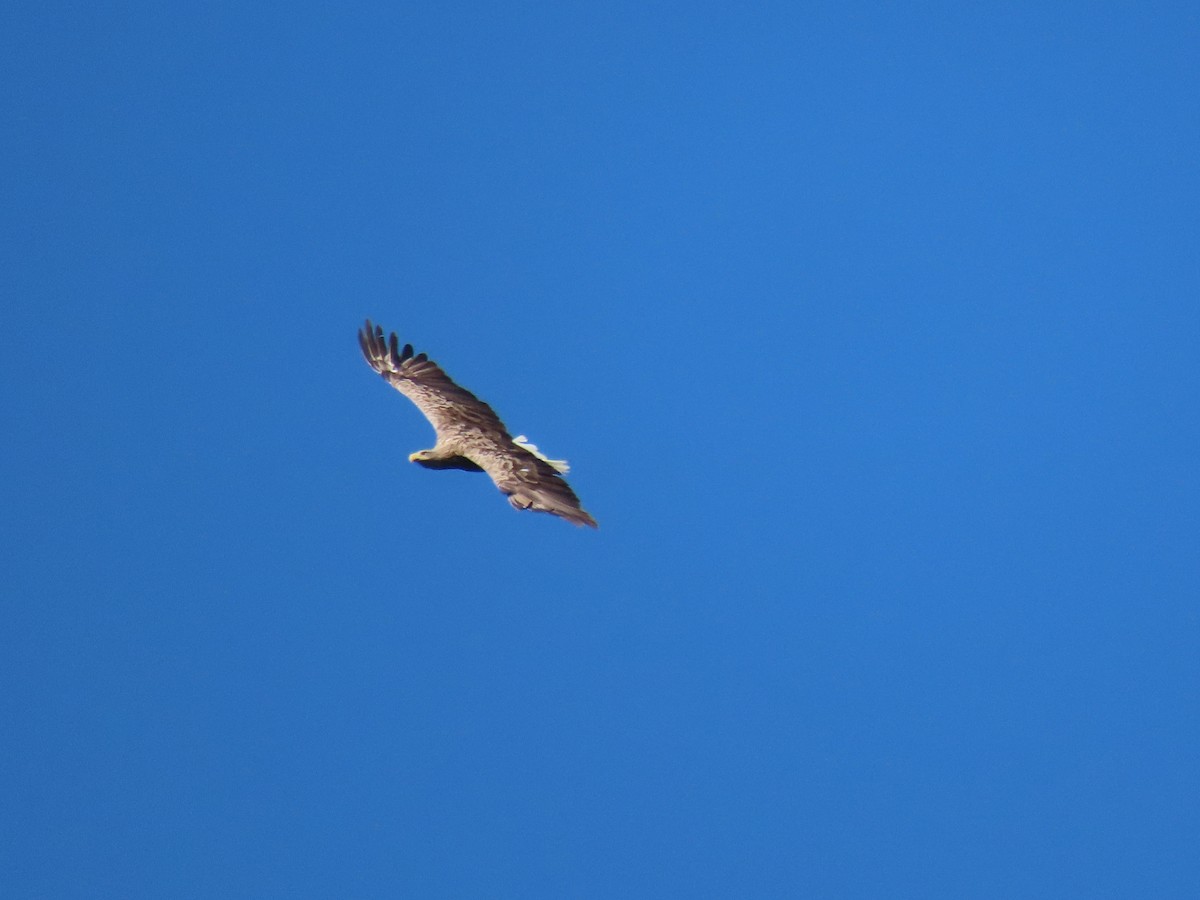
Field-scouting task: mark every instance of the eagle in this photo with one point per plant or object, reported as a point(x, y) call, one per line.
point(470, 436)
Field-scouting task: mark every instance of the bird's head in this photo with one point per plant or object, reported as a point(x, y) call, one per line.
point(432, 459)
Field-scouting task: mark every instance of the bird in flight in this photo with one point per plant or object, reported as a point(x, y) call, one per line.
point(470, 436)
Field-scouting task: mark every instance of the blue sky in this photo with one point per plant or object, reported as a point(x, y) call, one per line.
point(871, 333)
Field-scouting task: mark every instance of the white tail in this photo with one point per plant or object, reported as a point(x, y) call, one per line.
point(559, 465)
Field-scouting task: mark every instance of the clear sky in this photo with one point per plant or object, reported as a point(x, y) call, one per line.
point(870, 329)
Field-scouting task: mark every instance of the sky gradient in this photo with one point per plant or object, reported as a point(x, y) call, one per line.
point(870, 331)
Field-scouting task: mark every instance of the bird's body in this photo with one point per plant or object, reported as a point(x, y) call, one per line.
point(470, 436)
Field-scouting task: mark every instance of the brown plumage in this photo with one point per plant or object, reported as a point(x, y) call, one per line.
point(470, 435)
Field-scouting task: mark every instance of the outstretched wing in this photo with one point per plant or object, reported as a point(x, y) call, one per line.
point(452, 410)
point(530, 482)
